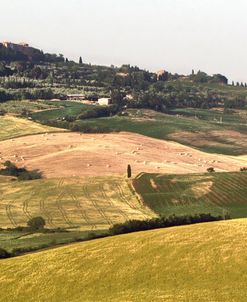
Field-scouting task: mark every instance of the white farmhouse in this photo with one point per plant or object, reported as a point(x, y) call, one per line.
point(104, 101)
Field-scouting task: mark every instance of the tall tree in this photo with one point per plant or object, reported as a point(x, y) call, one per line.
point(80, 60)
point(129, 173)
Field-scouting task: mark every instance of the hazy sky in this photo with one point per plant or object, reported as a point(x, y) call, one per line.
point(177, 35)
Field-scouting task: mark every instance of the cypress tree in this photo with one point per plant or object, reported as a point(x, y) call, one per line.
point(129, 171)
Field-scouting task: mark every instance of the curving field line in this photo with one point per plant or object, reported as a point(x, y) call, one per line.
point(25, 208)
point(46, 213)
point(125, 200)
point(119, 210)
point(10, 215)
point(59, 205)
point(82, 212)
point(96, 206)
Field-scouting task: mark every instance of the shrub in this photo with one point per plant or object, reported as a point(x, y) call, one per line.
point(210, 170)
point(243, 169)
point(36, 223)
point(21, 173)
point(4, 254)
point(30, 175)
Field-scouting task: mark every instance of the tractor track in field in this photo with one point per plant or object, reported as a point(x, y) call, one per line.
point(219, 197)
point(125, 200)
point(46, 213)
point(25, 207)
point(59, 205)
point(82, 212)
point(96, 206)
point(119, 210)
point(41, 206)
point(10, 215)
point(226, 187)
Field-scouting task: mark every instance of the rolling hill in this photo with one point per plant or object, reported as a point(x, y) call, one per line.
point(71, 203)
point(13, 127)
point(59, 155)
point(205, 262)
point(214, 131)
point(215, 193)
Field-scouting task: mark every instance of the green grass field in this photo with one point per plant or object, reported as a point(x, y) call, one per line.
point(20, 242)
point(204, 262)
point(65, 108)
point(73, 203)
point(216, 193)
point(202, 123)
point(18, 107)
point(12, 127)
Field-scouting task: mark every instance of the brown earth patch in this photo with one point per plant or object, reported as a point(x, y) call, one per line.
point(210, 138)
point(74, 154)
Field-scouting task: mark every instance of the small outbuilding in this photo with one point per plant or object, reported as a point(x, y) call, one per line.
point(105, 101)
point(76, 97)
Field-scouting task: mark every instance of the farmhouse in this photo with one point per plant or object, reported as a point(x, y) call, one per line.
point(162, 75)
point(104, 101)
point(14, 46)
point(76, 97)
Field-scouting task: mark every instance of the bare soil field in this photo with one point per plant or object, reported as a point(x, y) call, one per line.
point(74, 154)
point(214, 138)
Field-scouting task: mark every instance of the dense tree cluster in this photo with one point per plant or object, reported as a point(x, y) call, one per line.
point(47, 76)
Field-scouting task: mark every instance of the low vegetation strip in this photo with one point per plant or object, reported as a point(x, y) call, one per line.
point(163, 222)
point(215, 193)
point(12, 127)
point(16, 241)
point(203, 262)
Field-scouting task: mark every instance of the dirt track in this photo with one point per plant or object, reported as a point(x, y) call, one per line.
point(73, 154)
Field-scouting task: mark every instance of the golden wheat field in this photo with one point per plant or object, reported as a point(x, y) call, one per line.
point(205, 262)
point(12, 127)
point(85, 204)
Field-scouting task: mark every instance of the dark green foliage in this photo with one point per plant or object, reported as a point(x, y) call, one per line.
point(36, 223)
point(4, 254)
point(163, 222)
point(13, 246)
point(129, 171)
point(41, 76)
point(95, 112)
point(21, 173)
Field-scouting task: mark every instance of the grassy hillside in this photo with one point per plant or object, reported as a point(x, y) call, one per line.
point(11, 127)
point(24, 106)
point(201, 129)
point(205, 262)
point(64, 108)
point(18, 242)
point(215, 193)
point(73, 203)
